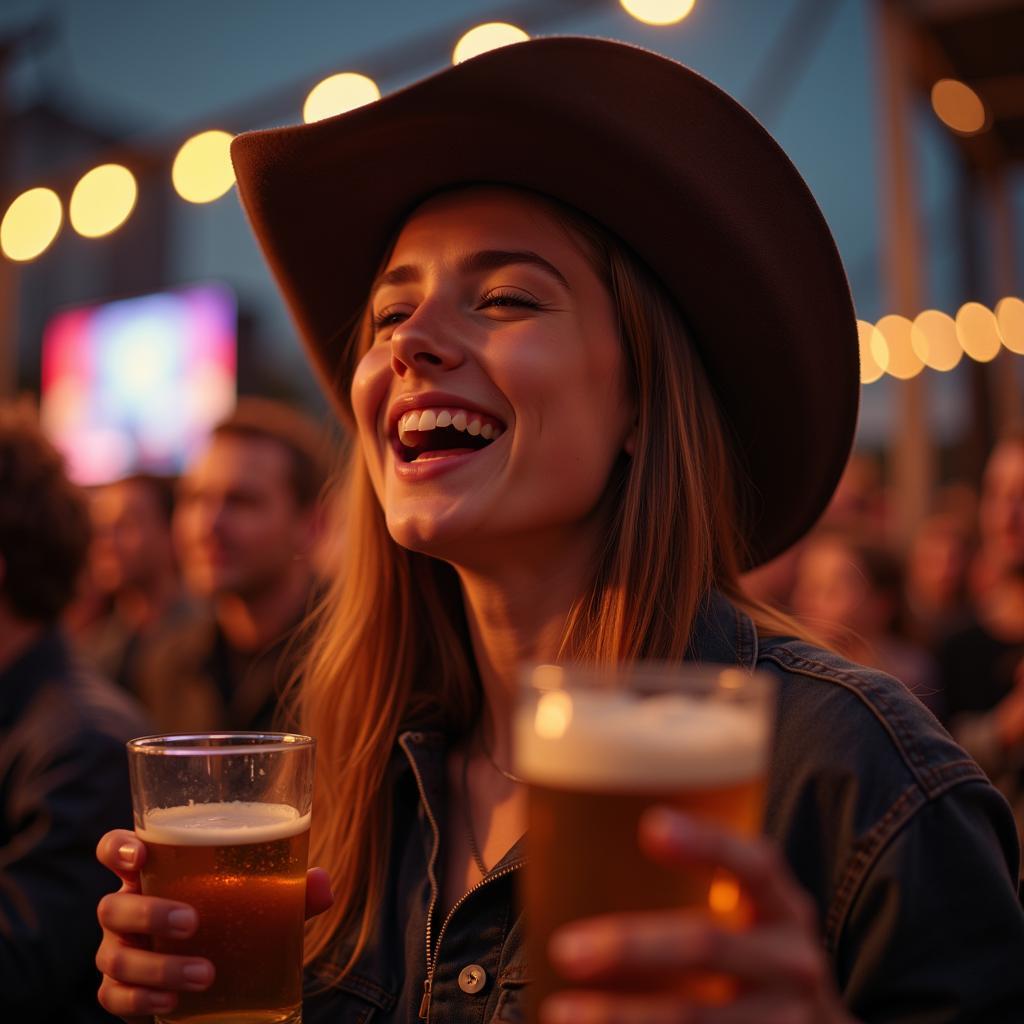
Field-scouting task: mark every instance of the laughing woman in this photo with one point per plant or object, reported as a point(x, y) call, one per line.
point(595, 340)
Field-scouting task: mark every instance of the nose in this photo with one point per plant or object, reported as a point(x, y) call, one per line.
point(426, 342)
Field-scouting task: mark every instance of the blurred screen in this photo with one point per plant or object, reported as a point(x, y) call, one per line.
point(135, 385)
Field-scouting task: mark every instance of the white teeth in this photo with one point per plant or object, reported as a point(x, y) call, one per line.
point(423, 420)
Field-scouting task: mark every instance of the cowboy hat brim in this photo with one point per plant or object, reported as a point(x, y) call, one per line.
point(667, 161)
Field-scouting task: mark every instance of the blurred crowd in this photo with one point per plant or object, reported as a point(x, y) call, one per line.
point(156, 605)
point(943, 613)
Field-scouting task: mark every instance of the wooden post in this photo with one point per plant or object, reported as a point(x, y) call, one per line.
point(912, 456)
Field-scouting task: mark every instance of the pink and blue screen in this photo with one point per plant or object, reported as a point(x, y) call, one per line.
point(137, 384)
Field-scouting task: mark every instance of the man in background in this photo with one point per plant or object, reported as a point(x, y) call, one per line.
point(63, 767)
point(132, 562)
point(246, 527)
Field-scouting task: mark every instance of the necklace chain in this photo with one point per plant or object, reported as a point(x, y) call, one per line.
point(474, 848)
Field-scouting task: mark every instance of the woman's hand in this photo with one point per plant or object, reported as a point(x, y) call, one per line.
point(778, 964)
point(138, 982)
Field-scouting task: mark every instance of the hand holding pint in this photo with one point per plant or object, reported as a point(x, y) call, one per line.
point(599, 749)
point(225, 820)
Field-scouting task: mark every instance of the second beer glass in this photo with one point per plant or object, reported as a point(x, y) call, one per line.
point(225, 819)
point(597, 750)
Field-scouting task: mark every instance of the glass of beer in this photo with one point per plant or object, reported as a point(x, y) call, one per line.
point(597, 749)
point(225, 819)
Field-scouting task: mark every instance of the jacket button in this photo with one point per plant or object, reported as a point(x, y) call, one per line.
point(472, 979)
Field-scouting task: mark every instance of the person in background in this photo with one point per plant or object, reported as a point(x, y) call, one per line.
point(63, 769)
point(1000, 514)
point(935, 587)
point(850, 591)
point(131, 560)
point(983, 662)
point(246, 528)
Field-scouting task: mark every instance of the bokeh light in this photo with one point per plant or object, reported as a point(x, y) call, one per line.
point(1010, 318)
point(933, 336)
point(202, 170)
point(874, 353)
point(339, 94)
point(102, 200)
point(658, 12)
point(30, 224)
point(490, 36)
point(958, 106)
point(978, 331)
point(904, 362)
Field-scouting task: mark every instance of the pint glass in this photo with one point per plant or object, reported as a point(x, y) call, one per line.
point(225, 819)
point(596, 750)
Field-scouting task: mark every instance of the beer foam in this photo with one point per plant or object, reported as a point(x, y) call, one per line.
point(222, 824)
point(618, 742)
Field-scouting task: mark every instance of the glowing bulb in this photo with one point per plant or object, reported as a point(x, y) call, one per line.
point(904, 362)
point(1010, 317)
point(491, 36)
point(958, 106)
point(978, 331)
point(102, 200)
point(339, 94)
point(933, 337)
point(30, 224)
point(202, 169)
point(874, 352)
point(658, 12)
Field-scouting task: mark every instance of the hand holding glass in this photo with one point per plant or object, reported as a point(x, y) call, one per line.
point(225, 819)
point(597, 750)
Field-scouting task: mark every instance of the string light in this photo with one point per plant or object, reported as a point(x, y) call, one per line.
point(658, 12)
point(202, 170)
point(30, 224)
point(490, 36)
point(102, 200)
point(338, 95)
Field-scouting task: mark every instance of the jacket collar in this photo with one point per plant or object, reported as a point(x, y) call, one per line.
point(723, 634)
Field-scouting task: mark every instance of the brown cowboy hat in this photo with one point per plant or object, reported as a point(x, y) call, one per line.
point(648, 148)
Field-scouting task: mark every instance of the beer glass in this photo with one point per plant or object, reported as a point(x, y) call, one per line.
point(598, 748)
point(225, 819)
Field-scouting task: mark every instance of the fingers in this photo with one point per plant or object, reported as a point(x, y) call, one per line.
point(128, 913)
point(135, 1005)
point(636, 948)
point(123, 853)
point(143, 968)
point(318, 892)
point(756, 863)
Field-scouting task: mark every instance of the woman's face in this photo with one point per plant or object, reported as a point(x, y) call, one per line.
point(491, 404)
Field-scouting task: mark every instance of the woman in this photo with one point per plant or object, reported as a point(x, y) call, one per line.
point(583, 313)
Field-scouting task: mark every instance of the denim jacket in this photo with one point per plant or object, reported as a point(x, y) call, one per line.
point(909, 853)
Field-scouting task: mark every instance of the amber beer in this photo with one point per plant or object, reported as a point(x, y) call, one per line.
point(243, 867)
point(594, 761)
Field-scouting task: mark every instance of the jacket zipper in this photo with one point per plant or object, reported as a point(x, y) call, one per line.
point(432, 952)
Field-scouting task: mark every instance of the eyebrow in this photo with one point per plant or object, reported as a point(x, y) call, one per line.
point(476, 262)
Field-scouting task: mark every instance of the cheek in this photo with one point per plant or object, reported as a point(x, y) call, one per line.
point(370, 386)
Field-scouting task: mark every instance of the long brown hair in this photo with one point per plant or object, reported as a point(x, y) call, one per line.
point(391, 645)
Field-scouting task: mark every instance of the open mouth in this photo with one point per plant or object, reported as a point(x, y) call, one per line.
point(425, 434)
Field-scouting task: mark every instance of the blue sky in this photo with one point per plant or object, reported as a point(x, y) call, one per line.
point(164, 69)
